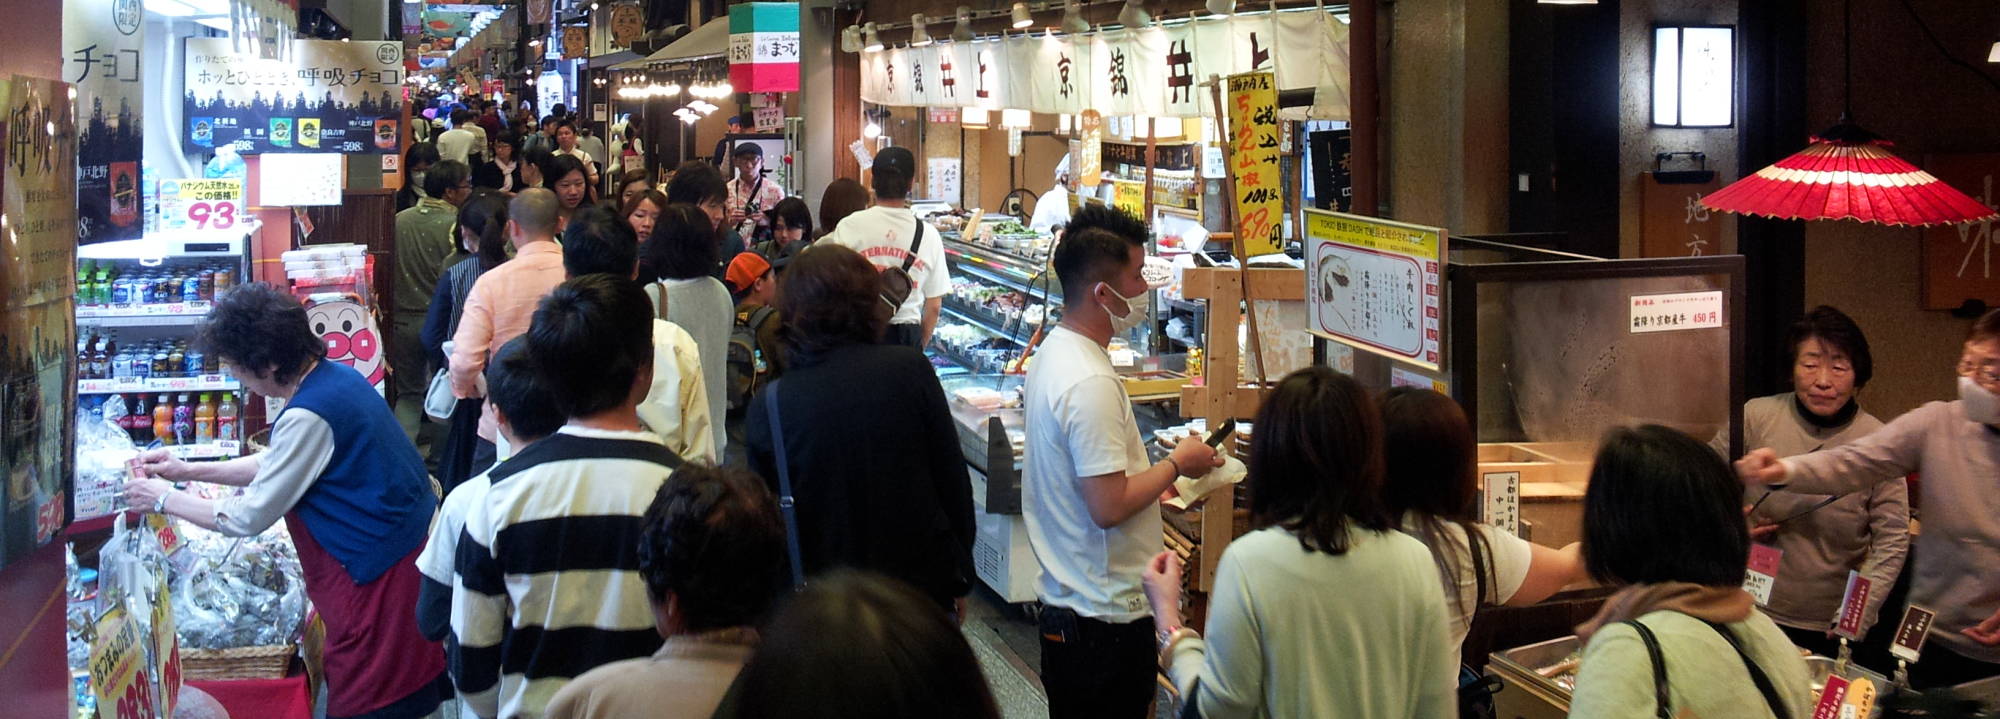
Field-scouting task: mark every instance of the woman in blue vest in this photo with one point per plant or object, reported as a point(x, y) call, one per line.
point(350, 488)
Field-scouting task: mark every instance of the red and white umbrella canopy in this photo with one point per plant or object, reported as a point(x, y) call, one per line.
point(1851, 179)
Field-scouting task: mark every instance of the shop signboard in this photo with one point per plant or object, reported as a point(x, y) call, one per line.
point(1176, 157)
point(203, 204)
point(1253, 163)
point(1129, 196)
point(341, 97)
point(1375, 284)
point(37, 316)
point(575, 42)
point(1156, 71)
point(101, 58)
point(764, 46)
point(1090, 148)
point(1959, 261)
point(628, 22)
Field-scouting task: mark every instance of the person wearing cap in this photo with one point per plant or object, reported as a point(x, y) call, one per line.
point(753, 282)
point(751, 194)
point(890, 235)
point(1053, 207)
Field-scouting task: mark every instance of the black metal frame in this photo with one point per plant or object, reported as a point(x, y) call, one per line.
point(1462, 287)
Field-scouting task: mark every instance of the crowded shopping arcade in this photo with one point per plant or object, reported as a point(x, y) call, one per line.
point(1056, 359)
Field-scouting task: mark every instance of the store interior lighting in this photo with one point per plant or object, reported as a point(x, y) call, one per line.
point(1134, 16)
point(871, 41)
point(919, 35)
point(963, 32)
point(1016, 119)
point(871, 130)
point(1221, 8)
point(1993, 55)
point(1073, 22)
point(850, 39)
point(1022, 19)
point(974, 118)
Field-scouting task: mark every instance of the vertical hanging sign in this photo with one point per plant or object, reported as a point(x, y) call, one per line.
point(1090, 148)
point(1253, 128)
point(101, 58)
point(764, 46)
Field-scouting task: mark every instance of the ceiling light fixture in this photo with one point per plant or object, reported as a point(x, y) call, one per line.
point(1073, 22)
point(871, 130)
point(1134, 16)
point(850, 39)
point(871, 41)
point(1993, 55)
point(973, 118)
point(1221, 8)
point(1022, 18)
point(919, 35)
point(963, 32)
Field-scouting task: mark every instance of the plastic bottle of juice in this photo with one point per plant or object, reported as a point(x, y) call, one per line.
point(163, 420)
point(183, 420)
point(204, 419)
point(225, 418)
point(83, 294)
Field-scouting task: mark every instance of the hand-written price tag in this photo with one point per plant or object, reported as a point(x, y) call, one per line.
point(1853, 604)
point(1831, 699)
point(1502, 500)
point(1253, 162)
point(1910, 635)
point(1763, 572)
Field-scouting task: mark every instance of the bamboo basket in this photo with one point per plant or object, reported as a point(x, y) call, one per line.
point(264, 662)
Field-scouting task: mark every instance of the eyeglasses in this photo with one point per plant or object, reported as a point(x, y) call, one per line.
point(1986, 373)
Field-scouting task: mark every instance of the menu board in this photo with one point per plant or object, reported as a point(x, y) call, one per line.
point(329, 96)
point(1253, 163)
point(37, 315)
point(1376, 284)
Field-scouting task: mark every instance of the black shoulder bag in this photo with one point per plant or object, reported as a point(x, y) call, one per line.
point(1659, 661)
point(786, 504)
point(897, 283)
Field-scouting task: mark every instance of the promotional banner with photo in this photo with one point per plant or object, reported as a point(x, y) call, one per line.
point(342, 97)
point(101, 59)
point(37, 326)
point(1156, 71)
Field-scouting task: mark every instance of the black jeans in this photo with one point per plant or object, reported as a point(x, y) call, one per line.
point(1097, 670)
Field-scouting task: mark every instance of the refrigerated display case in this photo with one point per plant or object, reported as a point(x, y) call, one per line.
point(138, 304)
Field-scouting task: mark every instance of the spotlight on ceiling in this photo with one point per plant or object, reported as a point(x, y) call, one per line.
point(1073, 22)
point(1221, 8)
point(1021, 17)
point(919, 35)
point(871, 41)
point(963, 32)
point(1133, 15)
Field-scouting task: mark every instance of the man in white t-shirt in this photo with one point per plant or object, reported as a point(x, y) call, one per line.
point(885, 235)
point(1090, 498)
point(457, 142)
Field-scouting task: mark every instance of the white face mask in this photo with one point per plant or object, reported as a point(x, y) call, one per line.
point(1133, 317)
point(1980, 405)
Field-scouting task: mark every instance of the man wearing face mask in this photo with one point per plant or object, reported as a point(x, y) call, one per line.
point(1956, 448)
point(1089, 495)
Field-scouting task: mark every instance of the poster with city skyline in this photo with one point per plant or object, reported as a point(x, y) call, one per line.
point(331, 96)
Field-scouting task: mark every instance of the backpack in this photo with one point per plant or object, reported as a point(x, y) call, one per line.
point(746, 370)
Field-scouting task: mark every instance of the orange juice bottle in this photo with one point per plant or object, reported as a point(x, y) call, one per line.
point(204, 420)
point(163, 420)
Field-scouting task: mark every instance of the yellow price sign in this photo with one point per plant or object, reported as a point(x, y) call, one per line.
point(1253, 162)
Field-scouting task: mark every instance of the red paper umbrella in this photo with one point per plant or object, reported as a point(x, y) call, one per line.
point(1848, 174)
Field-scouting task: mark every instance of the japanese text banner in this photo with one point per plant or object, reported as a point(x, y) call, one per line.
point(343, 97)
point(1253, 162)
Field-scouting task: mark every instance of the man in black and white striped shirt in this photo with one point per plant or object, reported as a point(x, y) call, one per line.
point(547, 583)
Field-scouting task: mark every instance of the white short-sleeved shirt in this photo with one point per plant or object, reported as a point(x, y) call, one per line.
point(1080, 424)
point(435, 563)
point(1508, 555)
point(883, 235)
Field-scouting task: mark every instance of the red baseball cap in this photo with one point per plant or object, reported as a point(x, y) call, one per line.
point(744, 270)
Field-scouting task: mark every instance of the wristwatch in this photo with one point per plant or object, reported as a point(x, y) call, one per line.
point(160, 505)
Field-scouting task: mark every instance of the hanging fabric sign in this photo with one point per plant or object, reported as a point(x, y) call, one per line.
point(343, 97)
point(101, 58)
point(764, 46)
point(1253, 133)
point(1156, 71)
point(1089, 150)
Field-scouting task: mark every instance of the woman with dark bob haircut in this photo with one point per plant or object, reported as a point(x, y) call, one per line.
point(1663, 518)
point(676, 262)
point(868, 441)
point(1432, 490)
point(1323, 610)
point(843, 197)
point(855, 645)
point(348, 485)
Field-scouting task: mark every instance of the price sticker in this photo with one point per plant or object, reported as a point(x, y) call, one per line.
point(1911, 633)
point(1853, 604)
point(1763, 572)
point(201, 204)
